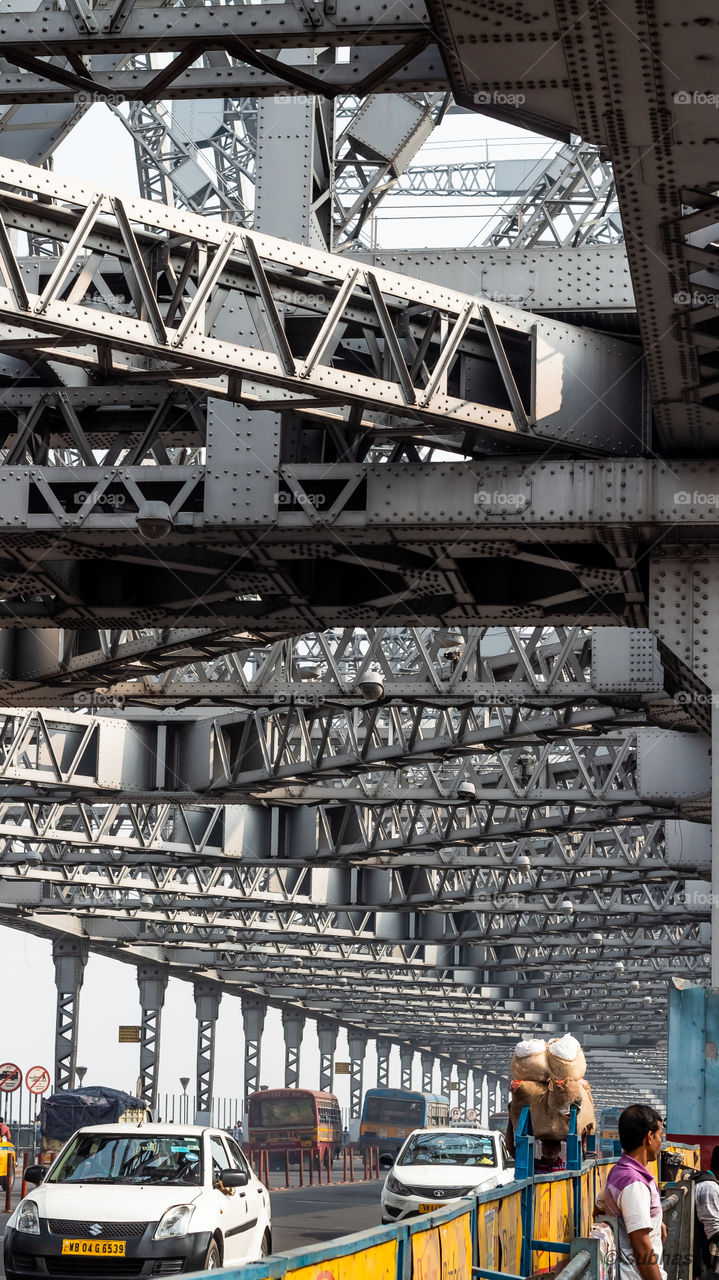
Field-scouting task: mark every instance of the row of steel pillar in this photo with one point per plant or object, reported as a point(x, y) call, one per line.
point(70, 958)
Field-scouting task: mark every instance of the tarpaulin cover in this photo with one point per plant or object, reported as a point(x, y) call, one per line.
point(64, 1112)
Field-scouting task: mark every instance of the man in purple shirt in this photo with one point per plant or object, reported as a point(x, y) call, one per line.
point(632, 1195)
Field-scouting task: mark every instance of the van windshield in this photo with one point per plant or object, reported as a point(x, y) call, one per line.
point(173, 1159)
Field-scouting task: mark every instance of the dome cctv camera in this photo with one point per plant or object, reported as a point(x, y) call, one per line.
point(154, 521)
point(371, 685)
point(466, 790)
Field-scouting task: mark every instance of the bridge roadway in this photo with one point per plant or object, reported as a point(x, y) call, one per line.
point(304, 1216)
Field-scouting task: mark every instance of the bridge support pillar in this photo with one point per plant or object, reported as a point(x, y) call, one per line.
point(481, 1094)
point(445, 1078)
point(207, 1008)
point(70, 958)
point(427, 1071)
point(327, 1037)
point(462, 1077)
point(383, 1052)
point(406, 1059)
point(152, 981)
point(254, 1009)
point(357, 1043)
point(293, 1024)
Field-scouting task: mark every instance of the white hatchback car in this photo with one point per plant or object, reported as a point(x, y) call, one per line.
point(140, 1200)
point(437, 1166)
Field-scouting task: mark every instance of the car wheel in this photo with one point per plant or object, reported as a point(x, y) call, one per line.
point(266, 1246)
point(212, 1257)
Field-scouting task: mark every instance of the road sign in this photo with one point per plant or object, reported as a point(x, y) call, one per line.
point(342, 1068)
point(128, 1035)
point(37, 1080)
point(455, 1113)
point(471, 1114)
point(10, 1077)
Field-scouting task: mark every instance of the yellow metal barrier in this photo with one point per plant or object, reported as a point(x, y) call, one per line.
point(511, 1231)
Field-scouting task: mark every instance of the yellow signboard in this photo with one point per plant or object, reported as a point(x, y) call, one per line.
point(342, 1068)
point(377, 1263)
point(128, 1035)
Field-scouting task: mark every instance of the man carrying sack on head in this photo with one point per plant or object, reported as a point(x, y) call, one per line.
point(632, 1196)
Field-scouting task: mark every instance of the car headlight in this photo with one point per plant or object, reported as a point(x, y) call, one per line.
point(398, 1188)
point(174, 1222)
point(27, 1218)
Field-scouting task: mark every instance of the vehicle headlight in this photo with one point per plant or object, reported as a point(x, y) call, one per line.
point(398, 1188)
point(174, 1222)
point(27, 1219)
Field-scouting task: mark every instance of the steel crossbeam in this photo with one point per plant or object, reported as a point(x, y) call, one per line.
point(202, 757)
point(76, 833)
point(417, 363)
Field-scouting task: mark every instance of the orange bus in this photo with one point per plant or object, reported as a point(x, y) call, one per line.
point(282, 1120)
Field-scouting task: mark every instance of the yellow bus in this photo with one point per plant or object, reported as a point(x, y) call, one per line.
point(282, 1120)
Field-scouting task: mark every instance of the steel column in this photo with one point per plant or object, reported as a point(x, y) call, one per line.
point(482, 1095)
point(327, 1037)
point(445, 1077)
point(207, 1007)
point(254, 1009)
point(427, 1071)
point(383, 1052)
point(152, 981)
point(293, 1024)
point(406, 1058)
point(462, 1077)
point(70, 958)
point(357, 1044)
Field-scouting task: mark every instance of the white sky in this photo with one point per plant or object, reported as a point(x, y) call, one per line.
point(99, 150)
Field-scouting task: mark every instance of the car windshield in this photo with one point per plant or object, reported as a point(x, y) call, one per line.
point(131, 1160)
point(450, 1148)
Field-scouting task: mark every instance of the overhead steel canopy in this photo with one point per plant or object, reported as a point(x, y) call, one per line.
point(225, 455)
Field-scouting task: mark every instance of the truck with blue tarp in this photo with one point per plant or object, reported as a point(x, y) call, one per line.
point(64, 1112)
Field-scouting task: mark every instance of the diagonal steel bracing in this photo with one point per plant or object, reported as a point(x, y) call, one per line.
point(414, 374)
